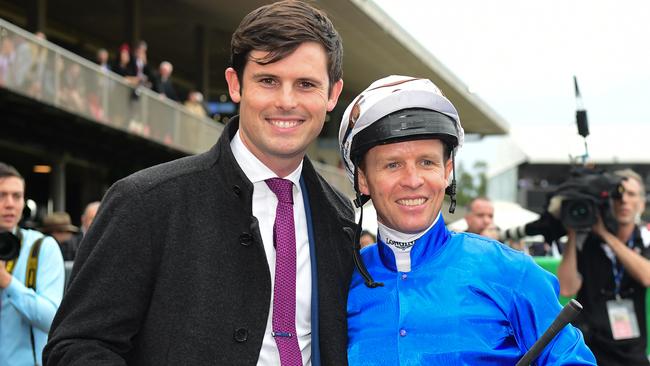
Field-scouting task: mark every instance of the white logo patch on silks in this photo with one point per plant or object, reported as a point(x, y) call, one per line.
point(401, 244)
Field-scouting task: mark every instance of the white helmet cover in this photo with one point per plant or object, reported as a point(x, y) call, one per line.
point(385, 96)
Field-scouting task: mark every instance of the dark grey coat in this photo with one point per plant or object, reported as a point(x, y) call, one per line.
point(173, 270)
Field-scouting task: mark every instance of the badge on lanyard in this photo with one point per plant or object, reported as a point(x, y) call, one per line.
point(622, 319)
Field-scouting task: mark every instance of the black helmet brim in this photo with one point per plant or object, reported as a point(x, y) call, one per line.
point(405, 125)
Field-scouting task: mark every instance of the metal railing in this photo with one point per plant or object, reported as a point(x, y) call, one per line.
point(50, 74)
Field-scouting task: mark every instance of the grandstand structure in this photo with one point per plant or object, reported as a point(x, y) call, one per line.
point(73, 129)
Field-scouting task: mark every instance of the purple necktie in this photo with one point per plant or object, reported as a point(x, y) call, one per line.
point(284, 289)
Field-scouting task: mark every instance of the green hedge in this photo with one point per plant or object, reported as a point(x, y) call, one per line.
point(550, 264)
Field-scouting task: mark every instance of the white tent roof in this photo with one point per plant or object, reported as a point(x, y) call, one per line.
point(506, 215)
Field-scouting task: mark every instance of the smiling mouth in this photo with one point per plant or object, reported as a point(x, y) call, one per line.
point(284, 123)
point(8, 217)
point(412, 201)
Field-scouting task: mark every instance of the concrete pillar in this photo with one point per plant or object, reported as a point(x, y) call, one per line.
point(57, 185)
point(133, 31)
point(36, 15)
point(202, 49)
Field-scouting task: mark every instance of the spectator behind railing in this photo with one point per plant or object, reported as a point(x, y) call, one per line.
point(163, 83)
point(142, 69)
point(124, 67)
point(102, 59)
point(194, 104)
point(36, 68)
point(73, 88)
point(7, 57)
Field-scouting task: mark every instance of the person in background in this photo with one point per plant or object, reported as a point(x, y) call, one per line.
point(240, 255)
point(124, 67)
point(26, 309)
point(59, 226)
point(143, 71)
point(71, 246)
point(491, 231)
point(88, 216)
point(429, 296)
point(367, 238)
point(479, 215)
point(194, 104)
point(609, 271)
point(102, 59)
point(163, 83)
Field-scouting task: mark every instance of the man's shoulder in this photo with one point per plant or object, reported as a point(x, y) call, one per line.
point(179, 171)
point(48, 243)
point(485, 250)
point(31, 236)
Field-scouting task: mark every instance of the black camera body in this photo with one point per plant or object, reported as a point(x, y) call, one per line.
point(576, 204)
point(587, 193)
point(9, 246)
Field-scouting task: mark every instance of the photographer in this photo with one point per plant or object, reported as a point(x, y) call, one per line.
point(26, 308)
point(610, 273)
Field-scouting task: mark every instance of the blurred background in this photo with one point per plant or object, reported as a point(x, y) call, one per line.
point(90, 93)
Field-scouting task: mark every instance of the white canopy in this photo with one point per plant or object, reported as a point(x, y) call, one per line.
point(506, 215)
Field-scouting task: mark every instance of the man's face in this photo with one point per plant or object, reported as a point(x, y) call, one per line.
point(12, 201)
point(141, 52)
point(165, 70)
point(88, 216)
point(366, 240)
point(631, 203)
point(480, 217)
point(283, 104)
point(102, 56)
point(407, 182)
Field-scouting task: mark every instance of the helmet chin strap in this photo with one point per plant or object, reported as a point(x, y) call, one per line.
point(451, 188)
point(359, 201)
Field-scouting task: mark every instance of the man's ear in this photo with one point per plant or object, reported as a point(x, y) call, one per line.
point(234, 86)
point(363, 182)
point(337, 87)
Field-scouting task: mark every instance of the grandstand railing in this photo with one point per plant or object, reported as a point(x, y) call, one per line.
point(43, 71)
point(50, 74)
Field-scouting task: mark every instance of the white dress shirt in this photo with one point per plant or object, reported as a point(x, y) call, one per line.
point(264, 205)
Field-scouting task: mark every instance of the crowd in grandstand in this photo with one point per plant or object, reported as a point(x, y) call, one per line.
point(29, 66)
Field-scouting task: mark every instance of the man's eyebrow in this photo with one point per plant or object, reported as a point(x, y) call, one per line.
point(264, 75)
point(311, 80)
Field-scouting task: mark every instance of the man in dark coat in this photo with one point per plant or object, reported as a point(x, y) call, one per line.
point(163, 83)
point(179, 265)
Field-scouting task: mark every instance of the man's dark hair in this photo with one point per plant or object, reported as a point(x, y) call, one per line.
point(279, 29)
point(7, 170)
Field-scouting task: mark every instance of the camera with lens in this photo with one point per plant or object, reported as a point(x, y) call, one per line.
point(9, 246)
point(587, 194)
point(578, 201)
point(575, 204)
